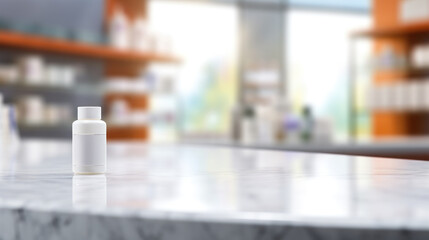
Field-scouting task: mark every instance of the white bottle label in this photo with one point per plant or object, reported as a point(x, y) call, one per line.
point(89, 153)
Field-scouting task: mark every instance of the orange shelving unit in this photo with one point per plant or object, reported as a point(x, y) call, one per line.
point(128, 132)
point(117, 62)
point(402, 37)
point(402, 30)
point(65, 47)
point(135, 132)
point(133, 9)
point(135, 101)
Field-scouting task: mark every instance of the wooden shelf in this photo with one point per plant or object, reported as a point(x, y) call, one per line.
point(129, 132)
point(35, 87)
point(58, 46)
point(418, 72)
point(399, 31)
point(134, 101)
point(405, 73)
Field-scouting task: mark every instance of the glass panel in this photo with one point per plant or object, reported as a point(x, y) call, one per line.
point(318, 64)
point(205, 37)
point(262, 56)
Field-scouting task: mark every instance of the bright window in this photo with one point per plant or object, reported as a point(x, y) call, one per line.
point(205, 37)
point(318, 63)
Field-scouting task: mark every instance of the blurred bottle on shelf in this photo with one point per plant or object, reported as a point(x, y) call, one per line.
point(60, 75)
point(322, 131)
point(136, 34)
point(235, 123)
point(248, 126)
point(30, 110)
point(406, 95)
point(33, 70)
point(118, 112)
point(9, 134)
point(119, 30)
point(292, 127)
point(283, 111)
point(413, 11)
point(34, 111)
point(140, 39)
point(307, 124)
point(265, 124)
point(134, 85)
point(420, 57)
point(389, 59)
point(154, 88)
point(279, 125)
point(9, 73)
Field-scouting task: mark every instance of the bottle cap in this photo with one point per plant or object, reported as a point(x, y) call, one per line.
point(89, 113)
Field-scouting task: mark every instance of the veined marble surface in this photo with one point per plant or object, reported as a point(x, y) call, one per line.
point(205, 192)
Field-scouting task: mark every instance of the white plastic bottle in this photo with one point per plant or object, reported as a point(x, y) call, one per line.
point(119, 32)
point(140, 35)
point(89, 141)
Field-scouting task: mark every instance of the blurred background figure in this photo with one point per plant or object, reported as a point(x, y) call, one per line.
point(255, 72)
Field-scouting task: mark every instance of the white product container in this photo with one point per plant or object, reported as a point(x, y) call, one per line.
point(400, 96)
point(384, 98)
point(140, 37)
point(414, 95)
point(414, 10)
point(119, 112)
point(31, 110)
point(425, 95)
point(32, 69)
point(418, 57)
point(89, 142)
point(119, 32)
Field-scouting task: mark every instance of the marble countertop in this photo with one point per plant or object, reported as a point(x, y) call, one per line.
point(208, 192)
point(416, 147)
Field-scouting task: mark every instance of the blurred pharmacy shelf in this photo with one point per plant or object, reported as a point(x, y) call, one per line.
point(401, 30)
point(401, 70)
point(128, 132)
point(64, 47)
point(47, 77)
